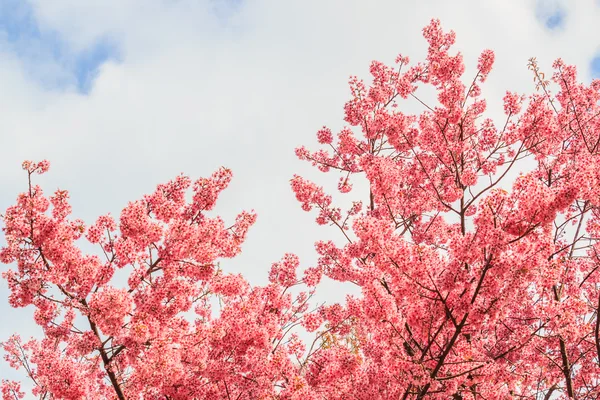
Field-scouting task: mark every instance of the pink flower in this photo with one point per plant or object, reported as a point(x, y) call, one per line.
point(485, 64)
point(512, 103)
point(324, 136)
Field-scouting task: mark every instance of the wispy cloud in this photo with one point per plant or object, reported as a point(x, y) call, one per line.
point(45, 55)
point(86, 63)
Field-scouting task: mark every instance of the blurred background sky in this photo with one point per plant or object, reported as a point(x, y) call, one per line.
point(121, 95)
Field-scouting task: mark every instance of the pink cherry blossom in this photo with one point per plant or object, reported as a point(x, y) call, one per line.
point(473, 284)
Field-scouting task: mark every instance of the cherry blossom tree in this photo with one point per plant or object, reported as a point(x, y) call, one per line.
point(474, 284)
point(105, 341)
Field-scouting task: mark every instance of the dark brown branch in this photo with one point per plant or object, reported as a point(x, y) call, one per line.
point(105, 359)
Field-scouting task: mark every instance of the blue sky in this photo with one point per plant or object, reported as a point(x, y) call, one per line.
point(36, 45)
point(595, 66)
point(556, 19)
point(553, 15)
